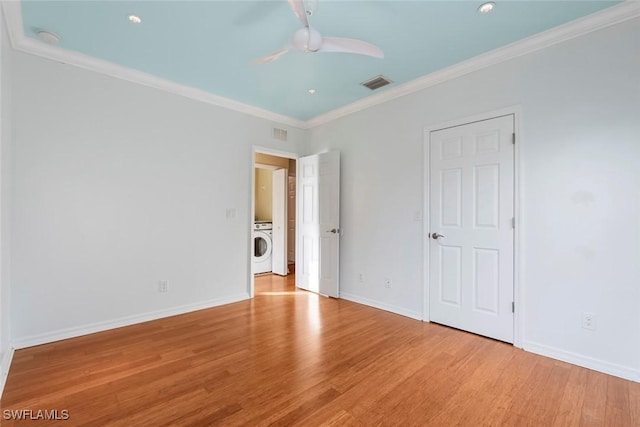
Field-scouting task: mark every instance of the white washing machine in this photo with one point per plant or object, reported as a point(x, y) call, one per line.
point(262, 247)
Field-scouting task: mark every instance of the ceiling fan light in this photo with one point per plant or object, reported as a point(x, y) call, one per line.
point(307, 40)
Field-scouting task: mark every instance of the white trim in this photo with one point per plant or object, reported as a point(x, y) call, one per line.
point(19, 41)
point(12, 11)
point(5, 365)
point(584, 361)
point(519, 236)
point(274, 152)
point(252, 218)
point(7, 356)
point(610, 16)
point(64, 334)
point(426, 220)
point(518, 296)
point(381, 305)
point(596, 21)
point(297, 214)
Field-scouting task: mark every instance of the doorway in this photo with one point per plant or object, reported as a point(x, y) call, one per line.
point(470, 206)
point(317, 223)
point(272, 227)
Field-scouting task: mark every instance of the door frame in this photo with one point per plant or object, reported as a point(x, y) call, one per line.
point(252, 200)
point(518, 291)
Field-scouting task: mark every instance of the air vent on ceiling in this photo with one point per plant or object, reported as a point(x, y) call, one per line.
point(376, 83)
point(280, 134)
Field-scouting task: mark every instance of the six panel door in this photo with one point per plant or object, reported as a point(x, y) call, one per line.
point(471, 233)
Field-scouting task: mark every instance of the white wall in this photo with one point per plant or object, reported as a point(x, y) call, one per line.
point(116, 187)
point(581, 196)
point(5, 188)
point(263, 190)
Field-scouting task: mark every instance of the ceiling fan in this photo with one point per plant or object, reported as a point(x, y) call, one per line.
point(308, 39)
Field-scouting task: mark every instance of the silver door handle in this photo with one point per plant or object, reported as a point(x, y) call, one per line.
point(436, 236)
point(334, 230)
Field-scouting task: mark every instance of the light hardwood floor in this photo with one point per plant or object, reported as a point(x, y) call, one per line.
point(292, 358)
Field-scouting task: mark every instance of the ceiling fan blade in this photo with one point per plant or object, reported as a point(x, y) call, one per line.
point(297, 6)
point(339, 44)
point(271, 57)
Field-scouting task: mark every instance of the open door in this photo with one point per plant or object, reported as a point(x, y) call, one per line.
point(318, 222)
point(279, 218)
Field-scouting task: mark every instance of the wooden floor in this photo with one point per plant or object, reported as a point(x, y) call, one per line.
point(293, 358)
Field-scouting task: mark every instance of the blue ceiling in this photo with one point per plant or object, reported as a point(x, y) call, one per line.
point(209, 45)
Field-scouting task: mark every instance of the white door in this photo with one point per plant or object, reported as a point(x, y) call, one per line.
point(318, 223)
point(279, 219)
point(471, 232)
point(291, 221)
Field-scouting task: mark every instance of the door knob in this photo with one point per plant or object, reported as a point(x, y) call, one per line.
point(436, 236)
point(334, 230)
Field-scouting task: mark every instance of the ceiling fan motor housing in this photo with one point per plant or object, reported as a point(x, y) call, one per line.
point(307, 39)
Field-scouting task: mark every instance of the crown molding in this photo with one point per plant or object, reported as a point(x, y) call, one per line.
point(581, 26)
point(630, 9)
point(13, 16)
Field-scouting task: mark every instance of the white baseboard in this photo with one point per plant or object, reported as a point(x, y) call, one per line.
point(533, 347)
point(584, 361)
point(5, 365)
point(64, 334)
point(382, 306)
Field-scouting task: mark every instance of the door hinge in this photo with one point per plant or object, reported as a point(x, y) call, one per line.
point(513, 138)
point(513, 222)
point(513, 307)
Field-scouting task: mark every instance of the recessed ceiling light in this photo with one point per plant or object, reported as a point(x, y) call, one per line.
point(134, 19)
point(311, 91)
point(486, 7)
point(48, 37)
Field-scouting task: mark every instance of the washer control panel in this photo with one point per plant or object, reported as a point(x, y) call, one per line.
point(263, 225)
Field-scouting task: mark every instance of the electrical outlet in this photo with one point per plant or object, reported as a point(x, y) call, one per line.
point(361, 277)
point(387, 282)
point(589, 321)
point(163, 286)
point(417, 216)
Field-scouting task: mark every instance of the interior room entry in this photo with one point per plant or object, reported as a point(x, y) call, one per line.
point(270, 226)
point(471, 235)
